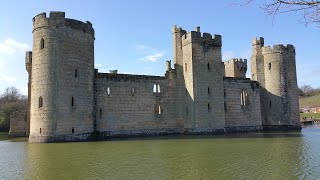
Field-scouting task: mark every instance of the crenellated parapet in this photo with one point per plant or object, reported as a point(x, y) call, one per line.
point(57, 19)
point(202, 38)
point(236, 67)
point(279, 48)
point(258, 41)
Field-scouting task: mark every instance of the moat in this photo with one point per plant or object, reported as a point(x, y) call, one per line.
point(268, 155)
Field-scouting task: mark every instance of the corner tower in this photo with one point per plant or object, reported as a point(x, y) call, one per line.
point(61, 105)
point(275, 70)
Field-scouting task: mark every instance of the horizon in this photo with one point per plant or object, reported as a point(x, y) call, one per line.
point(136, 38)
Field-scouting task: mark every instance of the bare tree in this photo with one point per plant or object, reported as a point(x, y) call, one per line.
point(309, 10)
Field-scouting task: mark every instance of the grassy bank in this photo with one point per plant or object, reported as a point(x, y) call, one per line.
point(311, 101)
point(309, 115)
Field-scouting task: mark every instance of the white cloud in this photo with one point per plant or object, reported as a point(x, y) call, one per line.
point(97, 65)
point(11, 46)
point(12, 64)
point(149, 54)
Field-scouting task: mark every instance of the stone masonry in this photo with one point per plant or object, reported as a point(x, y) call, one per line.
point(200, 94)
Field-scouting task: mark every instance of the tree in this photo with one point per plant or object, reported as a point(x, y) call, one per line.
point(10, 101)
point(309, 10)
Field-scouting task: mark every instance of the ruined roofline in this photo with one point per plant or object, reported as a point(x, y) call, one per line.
point(128, 76)
point(237, 60)
point(57, 18)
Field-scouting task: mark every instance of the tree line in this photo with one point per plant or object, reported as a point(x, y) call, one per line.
point(11, 101)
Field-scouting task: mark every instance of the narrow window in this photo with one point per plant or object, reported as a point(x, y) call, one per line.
point(100, 113)
point(108, 91)
point(41, 43)
point(225, 106)
point(40, 102)
point(133, 91)
point(157, 110)
point(72, 101)
point(185, 67)
point(72, 130)
point(241, 68)
point(187, 110)
point(244, 98)
point(208, 107)
point(270, 104)
point(208, 90)
point(208, 67)
point(40, 130)
point(76, 73)
point(224, 93)
point(269, 66)
point(156, 88)
point(186, 92)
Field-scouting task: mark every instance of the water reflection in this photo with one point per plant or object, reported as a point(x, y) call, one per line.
point(276, 155)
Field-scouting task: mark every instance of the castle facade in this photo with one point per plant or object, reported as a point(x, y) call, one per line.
point(69, 100)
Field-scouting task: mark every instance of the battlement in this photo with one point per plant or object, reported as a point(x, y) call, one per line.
point(176, 29)
point(278, 48)
point(57, 19)
point(237, 60)
point(258, 41)
point(197, 37)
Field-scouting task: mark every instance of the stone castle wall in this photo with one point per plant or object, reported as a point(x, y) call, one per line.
point(70, 101)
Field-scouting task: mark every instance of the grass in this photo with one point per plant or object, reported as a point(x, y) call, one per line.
point(311, 101)
point(309, 115)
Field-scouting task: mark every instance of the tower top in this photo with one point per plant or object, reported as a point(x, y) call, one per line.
point(57, 19)
point(258, 41)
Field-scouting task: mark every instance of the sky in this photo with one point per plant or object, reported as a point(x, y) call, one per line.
point(135, 36)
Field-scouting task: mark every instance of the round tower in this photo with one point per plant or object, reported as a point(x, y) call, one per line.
point(62, 94)
point(281, 98)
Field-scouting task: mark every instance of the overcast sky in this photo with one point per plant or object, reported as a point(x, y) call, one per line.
point(135, 36)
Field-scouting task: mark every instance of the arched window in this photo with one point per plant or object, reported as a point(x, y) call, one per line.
point(40, 102)
point(244, 98)
point(41, 43)
point(156, 88)
point(157, 109)
point(72, 130)
point(72, 101)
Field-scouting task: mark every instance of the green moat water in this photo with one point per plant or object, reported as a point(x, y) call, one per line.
point(272, 155)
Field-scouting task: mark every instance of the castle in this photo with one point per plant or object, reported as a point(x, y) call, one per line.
point(69, 100)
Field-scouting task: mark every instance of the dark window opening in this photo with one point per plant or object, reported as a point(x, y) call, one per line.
point(72, 130)
point(269, 66)
point(186, 92)
point(208, 67)
point(224, 93)
point(40, 130)
point(241, 68)
point(42, 43)
point(208, 90)
point(270, 104)
point(208, 107)
point(72, 101)
point(40, 102)
point(187, 111)
point(76, 73)
point(185, 67)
